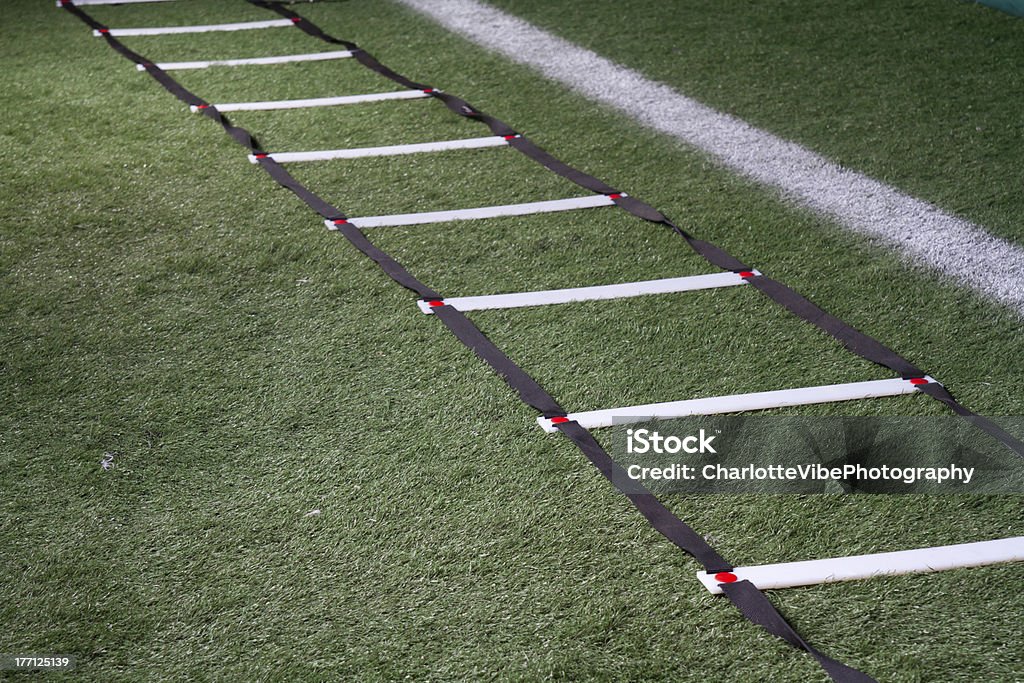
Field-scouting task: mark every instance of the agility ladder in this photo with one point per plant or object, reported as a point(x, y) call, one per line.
point(743, 585)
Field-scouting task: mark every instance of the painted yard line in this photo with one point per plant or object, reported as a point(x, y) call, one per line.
point(481, 212)
point(284, 59)
point(736, 403)
point(618, 291)
point(207, 28)
point(917, 229)
point(317, 101)
point(917, 561)
point(390, 150)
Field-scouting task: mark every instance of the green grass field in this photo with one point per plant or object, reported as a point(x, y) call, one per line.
point(163, 301)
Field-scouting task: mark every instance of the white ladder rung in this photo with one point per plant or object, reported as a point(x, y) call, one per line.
point(318, 101)
point(737, 403)
point(284, 59)
point(60, 3)
point(483, 212)
point(391, 150)
point(563, 296)
point(917, 561)
point(167, 30)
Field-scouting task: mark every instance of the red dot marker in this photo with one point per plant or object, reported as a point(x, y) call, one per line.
point(559, 420)
point(747, 273)
point(918, 381)
point(340, 221)
point(296, 20)
point(262, 155)
point(614, 195)
point(428, 90)
point(510, 137)
point(725, 577)
point(435, 304)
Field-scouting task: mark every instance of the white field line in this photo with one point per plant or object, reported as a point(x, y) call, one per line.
point(624, 290)
point(735, 403)
point(917, 561)
point(921, 231)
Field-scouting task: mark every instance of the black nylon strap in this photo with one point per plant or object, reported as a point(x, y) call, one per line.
point(558, 166)
point(239, 134)
point(531, 393)
point(85, 18)
point(286, 180)
point(393, 268)
point(464, 108)
point(853, 339)
point(159, 75)
point(941, 394)
point(171, 85)
point(660, 517)
point(302, 23)
point(756, 607)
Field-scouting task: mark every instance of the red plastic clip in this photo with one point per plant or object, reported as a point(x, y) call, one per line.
point(746, 273)
point(104, 31)
point(296, 20)
point(918, 381)
point(202, 106)
point(510, 137)
point(614, 195)
point(429, 90)
point(340, 221)
point(435, 304)
point(725, 577)
point(559, 420)
point(261, 155)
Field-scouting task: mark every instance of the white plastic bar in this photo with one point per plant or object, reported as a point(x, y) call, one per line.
point(106, 2)
point(917, 561)
point(284, 59)
point(564, 296)
point(483, 212)
point(739, 403)
point(391, 150)
point(319, 101)
point(167, 30)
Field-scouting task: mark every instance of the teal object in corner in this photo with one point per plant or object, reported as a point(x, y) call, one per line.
point(1011, 6)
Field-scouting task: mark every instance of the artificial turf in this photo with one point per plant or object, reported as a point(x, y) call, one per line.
point(165, 303)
